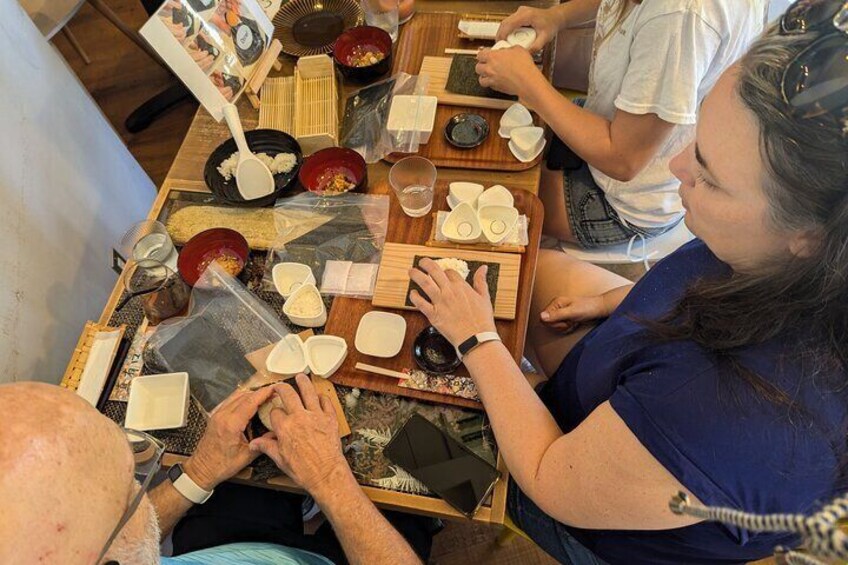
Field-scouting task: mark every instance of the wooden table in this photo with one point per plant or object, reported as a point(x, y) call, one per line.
point(186, 176)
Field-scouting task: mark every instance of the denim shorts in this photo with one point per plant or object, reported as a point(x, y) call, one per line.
point(594, 222)
point(547, 533)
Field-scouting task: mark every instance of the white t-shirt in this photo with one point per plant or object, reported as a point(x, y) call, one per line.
point(663, 59)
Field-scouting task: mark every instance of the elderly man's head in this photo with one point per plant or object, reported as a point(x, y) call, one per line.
point(66, 478)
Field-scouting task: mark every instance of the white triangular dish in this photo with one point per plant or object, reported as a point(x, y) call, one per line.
point(497, 222)
point(527, 139)
point(515, 116)
point(464, 192)
point(525, 157)
point(478, 29)
point(325, 354)
point(496, 194)
point(462, 224)
point(310, 320)
point(523, 37)
point(288, 277)
point(501, 45)
point(288, 357)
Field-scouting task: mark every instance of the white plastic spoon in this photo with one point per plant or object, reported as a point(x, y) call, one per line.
point(253, 178)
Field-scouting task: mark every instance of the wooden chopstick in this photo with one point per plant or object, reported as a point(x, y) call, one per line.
point(381, 371)
point(451, 51)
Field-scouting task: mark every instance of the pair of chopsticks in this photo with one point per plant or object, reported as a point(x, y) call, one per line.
point(381, 371)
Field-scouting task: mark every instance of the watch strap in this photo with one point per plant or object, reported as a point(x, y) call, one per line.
point(186, 486)
point(474, 341)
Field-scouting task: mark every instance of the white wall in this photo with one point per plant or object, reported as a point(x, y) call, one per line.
point(68, 190)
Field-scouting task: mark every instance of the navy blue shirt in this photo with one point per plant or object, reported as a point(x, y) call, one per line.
point(720, 439)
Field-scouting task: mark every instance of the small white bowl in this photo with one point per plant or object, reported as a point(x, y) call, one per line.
point(308, 320)
point(380, 334)
point(515, 116)
point(523, 37)
point(158, 402)
point(288, 357)
point(521, 155)
point(497, 222)
point(464, 192)
point(496, 194)
point(462, 224)
point(501, 45)
point(325, 354)
point(288, 277)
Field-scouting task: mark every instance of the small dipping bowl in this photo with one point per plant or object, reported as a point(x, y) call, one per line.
point(467, 130)
point(323, 164)
point(366, 38)
point(199, 252)
point(434, 353)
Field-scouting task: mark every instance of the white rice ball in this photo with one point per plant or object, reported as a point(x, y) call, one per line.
point(458, 265)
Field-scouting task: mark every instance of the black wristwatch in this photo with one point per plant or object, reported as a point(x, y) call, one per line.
point(466, 346)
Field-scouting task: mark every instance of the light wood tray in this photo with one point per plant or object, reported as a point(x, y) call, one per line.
point(428, 35)
point(345, 313)
point(393, 281)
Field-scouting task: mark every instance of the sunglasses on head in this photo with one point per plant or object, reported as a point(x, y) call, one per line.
point(815, 82)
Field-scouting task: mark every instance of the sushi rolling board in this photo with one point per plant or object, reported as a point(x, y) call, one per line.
point(393, 277)
point(438, 68)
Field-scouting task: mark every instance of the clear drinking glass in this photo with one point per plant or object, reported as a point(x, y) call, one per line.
point(149, 239)
point(382, 14)
point(412, 179)
point(162, 292)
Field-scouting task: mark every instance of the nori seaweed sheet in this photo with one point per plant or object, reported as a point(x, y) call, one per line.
point(491, 277)
point(463, 79)
point(360, 126)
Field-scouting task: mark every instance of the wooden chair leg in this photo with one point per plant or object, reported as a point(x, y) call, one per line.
point(72, 39)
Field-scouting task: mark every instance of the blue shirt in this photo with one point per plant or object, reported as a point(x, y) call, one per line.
point(717, 436)
point(248, 554)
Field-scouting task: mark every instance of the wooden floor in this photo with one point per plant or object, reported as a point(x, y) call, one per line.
point(121, 77)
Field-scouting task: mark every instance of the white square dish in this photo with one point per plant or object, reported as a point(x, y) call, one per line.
point(380, 334)
point(158, 402)
point(402, 116)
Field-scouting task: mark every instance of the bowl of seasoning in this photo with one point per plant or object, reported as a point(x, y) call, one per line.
point(434, 353)
point(363, 53)
point(466, 130)
point(334, 170)
point(226, 247)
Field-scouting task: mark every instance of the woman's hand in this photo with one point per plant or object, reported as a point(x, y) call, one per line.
point(511, 71)
point(545, 22)
point(566, 313)
point(452, 306)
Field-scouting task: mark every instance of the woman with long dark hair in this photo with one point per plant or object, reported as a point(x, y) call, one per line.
point(722, 373)
point(652, 63)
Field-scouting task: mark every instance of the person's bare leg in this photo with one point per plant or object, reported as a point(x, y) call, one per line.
point(558, 274)
point(556, 223)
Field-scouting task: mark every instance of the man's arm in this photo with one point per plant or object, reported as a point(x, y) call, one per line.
point(308, 450)
point(222, 452)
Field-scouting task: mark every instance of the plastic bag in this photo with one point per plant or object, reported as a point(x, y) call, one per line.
point(225, 322)
point(366, 115)
point(339, 237)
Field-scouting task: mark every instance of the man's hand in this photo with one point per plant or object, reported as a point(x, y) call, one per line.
point(566, 313)
point(545, 22)
point(510, 71)
point(223, 450)
point(454, 307)
point(304, 441)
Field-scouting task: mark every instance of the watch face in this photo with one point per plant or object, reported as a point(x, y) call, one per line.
point(468, 345)
point(174, 472)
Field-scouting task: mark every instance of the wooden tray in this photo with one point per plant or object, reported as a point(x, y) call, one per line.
point(428, 35)
point(345, 313)
point(392, 286)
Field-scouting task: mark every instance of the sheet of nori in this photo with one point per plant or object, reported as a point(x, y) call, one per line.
point(463, 79)
point(366, 114)
point(491, 277)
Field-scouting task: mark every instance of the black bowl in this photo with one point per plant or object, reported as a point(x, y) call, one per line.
point(269, 141)
point(466, 130)
point(368, 37)
point(434, 353)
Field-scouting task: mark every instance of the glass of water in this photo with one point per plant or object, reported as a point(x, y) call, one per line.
point(382, 14)
point(413, 179)
point(162, 292)
point(149, 239)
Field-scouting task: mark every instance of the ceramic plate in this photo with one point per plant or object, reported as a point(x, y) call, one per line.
point(311, 27)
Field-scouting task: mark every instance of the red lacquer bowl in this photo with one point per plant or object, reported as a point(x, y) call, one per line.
point(323, 165)
point(205, 247)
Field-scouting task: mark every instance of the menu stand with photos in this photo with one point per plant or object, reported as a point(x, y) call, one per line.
point(220, 49)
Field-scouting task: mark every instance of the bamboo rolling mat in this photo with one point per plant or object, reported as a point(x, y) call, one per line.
point(277, 108)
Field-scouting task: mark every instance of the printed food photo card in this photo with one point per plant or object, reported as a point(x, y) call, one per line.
point(211, 45)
